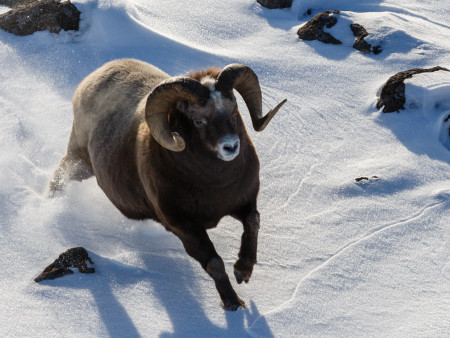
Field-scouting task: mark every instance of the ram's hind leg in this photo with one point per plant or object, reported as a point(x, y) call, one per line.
point(75, 165)
point(70, 168)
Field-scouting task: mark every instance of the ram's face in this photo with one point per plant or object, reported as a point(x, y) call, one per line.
point(181, 109)
point(214, 125)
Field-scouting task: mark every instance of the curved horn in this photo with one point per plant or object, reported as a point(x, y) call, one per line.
point(245, 81)
point(160, 102)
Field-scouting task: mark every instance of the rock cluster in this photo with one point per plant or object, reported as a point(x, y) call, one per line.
point(314, 30)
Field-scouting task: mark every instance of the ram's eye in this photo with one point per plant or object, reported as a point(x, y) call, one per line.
point(199, 122)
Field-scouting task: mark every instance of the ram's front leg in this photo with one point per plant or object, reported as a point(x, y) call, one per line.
point(199, 246)
point(243, 267)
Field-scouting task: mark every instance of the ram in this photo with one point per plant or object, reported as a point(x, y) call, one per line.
point(175, 150)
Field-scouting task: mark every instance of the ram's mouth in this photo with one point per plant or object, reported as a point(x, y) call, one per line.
point(227, 158)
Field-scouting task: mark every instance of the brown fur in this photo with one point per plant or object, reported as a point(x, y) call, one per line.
point(188, 191)
point(198, 75)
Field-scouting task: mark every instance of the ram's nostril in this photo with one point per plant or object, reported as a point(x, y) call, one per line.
point(231, 148)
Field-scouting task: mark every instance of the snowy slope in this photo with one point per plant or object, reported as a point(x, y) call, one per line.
point(336, 257)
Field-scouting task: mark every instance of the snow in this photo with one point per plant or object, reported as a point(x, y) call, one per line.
point(335, 258)
point(428, 95)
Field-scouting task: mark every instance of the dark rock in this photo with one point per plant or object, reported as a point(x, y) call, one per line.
point(392, 95)
point(360, 44)
point(272, 4)
point(364, 178)
point(15, 3)
point(313, 29)
point(72, 258)
point(360, 33)
point(358, 30)
point(376, 50)
point(42, 15)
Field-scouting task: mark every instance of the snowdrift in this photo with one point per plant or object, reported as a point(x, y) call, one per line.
point(336, 257)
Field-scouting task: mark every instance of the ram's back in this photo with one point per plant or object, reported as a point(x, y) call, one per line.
point(108, 112)
point(113, 92)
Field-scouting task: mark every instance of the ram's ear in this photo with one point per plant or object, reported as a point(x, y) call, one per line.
point(182, 106)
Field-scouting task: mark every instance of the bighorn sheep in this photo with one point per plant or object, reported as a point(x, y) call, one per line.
point(175, 150)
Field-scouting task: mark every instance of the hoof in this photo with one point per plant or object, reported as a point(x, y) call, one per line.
point(243, 271)
point(233, 305)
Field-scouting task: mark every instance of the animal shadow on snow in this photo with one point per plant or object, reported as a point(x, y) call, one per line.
point(177, 293)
